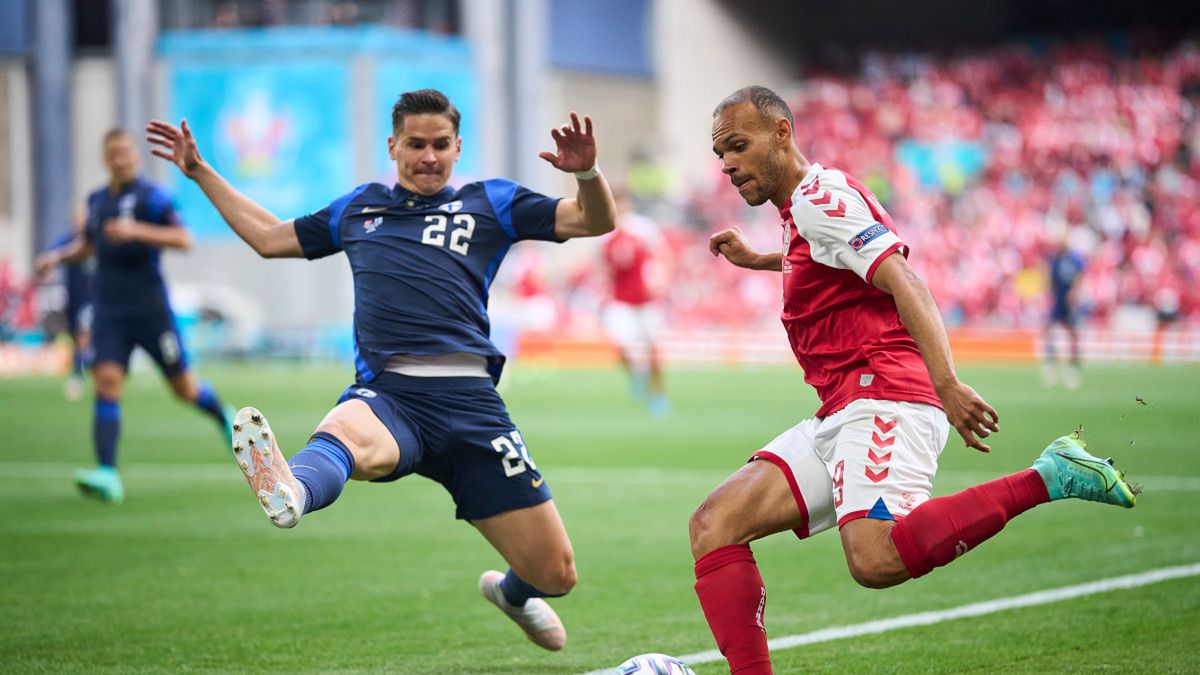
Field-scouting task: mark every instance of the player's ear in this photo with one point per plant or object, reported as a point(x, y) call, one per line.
point(783, 130)
point(457, 148)
point(392, 147)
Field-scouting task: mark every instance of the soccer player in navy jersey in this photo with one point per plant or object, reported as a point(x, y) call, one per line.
point(128, 222)
point(423, 255)
point(1066, 267)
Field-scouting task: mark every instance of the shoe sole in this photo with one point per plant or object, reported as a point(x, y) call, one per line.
point(489, 580)
point(270, 478)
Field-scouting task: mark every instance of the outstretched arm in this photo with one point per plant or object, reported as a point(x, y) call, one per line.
point(73, 251)
point(258, 227)
point(592, 212)
point(966, 410)
point(123, 230)
point(732, 244)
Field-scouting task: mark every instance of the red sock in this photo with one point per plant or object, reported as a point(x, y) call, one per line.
point(942, 529)
point(734, 599)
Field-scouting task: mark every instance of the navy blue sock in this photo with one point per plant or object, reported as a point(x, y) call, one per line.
point(207, 401)
point(323, 467)
point(516, 590)
point(78, 362)
point(106, 426)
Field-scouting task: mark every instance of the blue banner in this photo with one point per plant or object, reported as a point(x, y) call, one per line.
point(277, 130)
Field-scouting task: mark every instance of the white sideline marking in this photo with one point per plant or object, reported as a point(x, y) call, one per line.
point(962, 612)
point(564, 474)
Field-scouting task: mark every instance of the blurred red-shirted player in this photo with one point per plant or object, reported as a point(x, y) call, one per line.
point(631, 316)
point(871, 342)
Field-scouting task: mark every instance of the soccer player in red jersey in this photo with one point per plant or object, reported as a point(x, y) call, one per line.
point(631, 316)
point(866, 331)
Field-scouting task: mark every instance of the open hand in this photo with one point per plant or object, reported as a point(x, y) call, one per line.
point(177, 144)
point(969, 414)
point(576, 146)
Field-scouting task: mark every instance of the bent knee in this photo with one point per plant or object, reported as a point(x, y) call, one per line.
point(707, 531)
point(871, 577)
point(875, 571)
point(559, 580)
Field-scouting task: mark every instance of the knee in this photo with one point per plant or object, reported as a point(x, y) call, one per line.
point(873, 569)
point(870, 576)
point(558, 579)
point(705, 531)
point(108, 386)
point(369, 461)
point(184, 391)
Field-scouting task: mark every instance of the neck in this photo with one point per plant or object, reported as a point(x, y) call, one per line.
point(793, 175)
point(115, 184)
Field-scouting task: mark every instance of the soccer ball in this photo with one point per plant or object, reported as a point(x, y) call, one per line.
point(654, 664)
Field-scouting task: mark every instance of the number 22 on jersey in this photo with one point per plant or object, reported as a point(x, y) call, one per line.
point(460, 237)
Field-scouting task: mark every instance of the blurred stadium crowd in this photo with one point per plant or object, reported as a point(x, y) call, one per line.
point(987, 162)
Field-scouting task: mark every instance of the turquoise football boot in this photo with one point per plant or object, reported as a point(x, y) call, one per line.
point(103, 483)
point(1069, 471)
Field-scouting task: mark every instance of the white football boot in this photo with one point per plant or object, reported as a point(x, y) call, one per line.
point(277, 490)
point(536, 618)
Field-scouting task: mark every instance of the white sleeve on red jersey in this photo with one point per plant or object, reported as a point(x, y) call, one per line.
point(837, 223)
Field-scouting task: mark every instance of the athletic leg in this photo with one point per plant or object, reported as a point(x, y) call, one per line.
point(351, 442)
point(104, 482)
point(534, 542)
point(786, 487)
point(882, 553)
point(189, 388)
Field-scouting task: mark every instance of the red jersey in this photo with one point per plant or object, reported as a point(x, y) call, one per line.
point(629, 254)
point(846, 334)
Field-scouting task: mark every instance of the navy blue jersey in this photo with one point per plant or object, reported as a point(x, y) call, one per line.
point(128, 279)
point(422, 265)
point(1065, 268)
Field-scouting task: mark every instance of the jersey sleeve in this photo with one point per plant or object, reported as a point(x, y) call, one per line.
point(320, 232)
point(523, 213)
point(161, 208)
point(840, 228)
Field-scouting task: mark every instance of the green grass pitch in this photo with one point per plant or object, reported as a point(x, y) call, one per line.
point(188, 576)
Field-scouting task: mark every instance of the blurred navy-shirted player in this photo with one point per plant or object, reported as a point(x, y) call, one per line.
point(423, 256)
point(78, 311)
point(128, 221)
point(1066, 266)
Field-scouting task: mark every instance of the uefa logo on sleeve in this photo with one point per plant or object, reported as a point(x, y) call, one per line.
point(867, 236)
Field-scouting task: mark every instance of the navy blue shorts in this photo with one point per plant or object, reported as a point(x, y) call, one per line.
point(1062, 312)
point(113, 339)
point(456, 431)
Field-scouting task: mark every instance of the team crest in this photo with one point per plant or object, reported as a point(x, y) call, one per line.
point(373, 224)
point(452, 207)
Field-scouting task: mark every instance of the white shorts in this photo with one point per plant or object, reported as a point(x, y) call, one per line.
point(631, 326)
point(871, 459)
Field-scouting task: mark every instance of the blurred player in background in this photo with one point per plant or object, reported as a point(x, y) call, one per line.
point(128, 222)
point(78, 310)
point(1066, 267)
point(871, 341)
point(631, 316)
point(423, 255)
